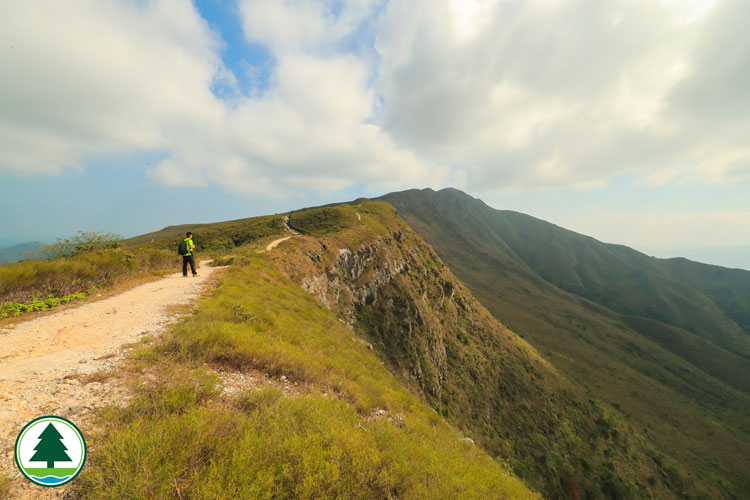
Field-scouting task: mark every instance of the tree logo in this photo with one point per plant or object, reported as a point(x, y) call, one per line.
point(50, 451)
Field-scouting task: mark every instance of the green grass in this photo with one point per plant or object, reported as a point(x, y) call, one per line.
point(181, 438)
point(219, 236)
point(481, 377)
point(322, 221)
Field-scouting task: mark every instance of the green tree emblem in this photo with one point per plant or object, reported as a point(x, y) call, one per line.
point(50, 448)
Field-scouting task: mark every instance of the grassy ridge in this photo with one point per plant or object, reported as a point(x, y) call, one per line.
point(217, 236)
point(350, 431)
point(259, 320)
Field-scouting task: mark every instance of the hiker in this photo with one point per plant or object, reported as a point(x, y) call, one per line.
point(188, 256)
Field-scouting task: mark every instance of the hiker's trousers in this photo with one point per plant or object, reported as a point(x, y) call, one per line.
point(188, 259)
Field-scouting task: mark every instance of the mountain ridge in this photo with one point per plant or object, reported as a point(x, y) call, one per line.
point(616, 356)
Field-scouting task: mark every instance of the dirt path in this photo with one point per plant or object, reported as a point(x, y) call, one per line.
point(40, 358)
point(275, 243)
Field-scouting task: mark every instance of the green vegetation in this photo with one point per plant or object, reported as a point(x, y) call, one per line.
point(337, 425)
point(321, 221)
point(14, 309)
point(622, 406)
point(93, 261)
point(689, 396)
point(81, 243)
point(709, 301)
point(477, 374)
point(62, 279)
point(217, 237)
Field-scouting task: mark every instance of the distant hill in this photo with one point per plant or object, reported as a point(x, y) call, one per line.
point(18, 252)
point(710, 301)
point(666, 342)
point(734, 257)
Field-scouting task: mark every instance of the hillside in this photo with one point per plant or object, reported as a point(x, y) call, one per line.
point(393, 289)
point(617, 322)
point(588, 408)
point(264, 393)
point(394, 303)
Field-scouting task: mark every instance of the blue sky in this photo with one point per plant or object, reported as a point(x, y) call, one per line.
point(616, 119)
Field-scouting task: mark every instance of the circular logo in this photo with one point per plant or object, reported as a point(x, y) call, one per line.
point(50, 451)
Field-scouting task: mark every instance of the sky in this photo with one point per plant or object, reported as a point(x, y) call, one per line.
point(625, 120)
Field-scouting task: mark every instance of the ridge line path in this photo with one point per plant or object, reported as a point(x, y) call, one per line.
point(40, 358)
point(275, 243)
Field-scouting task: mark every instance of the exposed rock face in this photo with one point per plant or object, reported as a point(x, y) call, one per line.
point(372, 279)
point(355, 277)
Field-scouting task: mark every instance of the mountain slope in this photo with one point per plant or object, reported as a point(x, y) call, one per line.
point(710, 301)
point(387, 284)
point(662, 377)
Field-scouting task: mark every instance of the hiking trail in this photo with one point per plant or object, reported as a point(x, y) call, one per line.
point(41, 358)
point(275, 243)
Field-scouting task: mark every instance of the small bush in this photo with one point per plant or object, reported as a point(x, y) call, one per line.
point(177, 390)
point(224, 260)
point(258, 400)
point(320, 221)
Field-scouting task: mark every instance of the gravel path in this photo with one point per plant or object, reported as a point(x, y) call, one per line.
point(38, 357)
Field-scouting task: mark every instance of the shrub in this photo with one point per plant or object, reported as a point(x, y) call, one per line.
point(83, 242)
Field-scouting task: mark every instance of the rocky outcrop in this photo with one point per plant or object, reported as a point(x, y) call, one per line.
point(355, 277)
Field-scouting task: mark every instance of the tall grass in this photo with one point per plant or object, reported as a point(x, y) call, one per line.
point(22, 282)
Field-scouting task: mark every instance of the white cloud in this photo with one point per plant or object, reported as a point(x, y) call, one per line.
point(586, 87)
point(484, 94)
point(112, 77)
point(303, 25)
point(96, 77)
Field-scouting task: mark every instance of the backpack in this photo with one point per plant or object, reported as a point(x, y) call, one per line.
point(182, 248)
